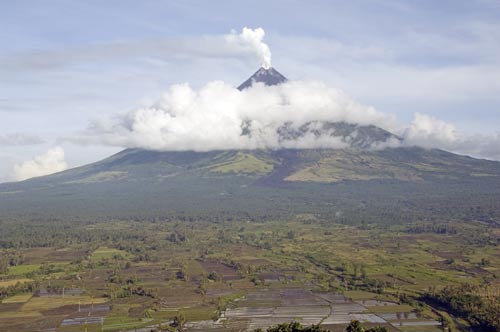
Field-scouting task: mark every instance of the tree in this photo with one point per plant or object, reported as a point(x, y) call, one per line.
point(179, 322)
point(355, 326)
point(378, 329)
point(293, 327)
point(214, 276)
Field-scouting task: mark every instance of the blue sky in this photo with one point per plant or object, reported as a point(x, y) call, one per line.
point(66, 63)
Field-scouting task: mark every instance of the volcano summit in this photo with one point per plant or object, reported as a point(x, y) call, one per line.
point(269, 76)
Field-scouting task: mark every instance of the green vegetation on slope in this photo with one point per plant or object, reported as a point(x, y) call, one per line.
point(244, 163)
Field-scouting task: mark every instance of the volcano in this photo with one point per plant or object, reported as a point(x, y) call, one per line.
point(362, 182)
point(269, 76)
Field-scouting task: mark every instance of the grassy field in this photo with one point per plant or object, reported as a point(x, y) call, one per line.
point(108, 253)
point(12, 282)
point(391, 308)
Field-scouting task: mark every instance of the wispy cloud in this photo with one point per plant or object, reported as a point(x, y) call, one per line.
point(20, 139)
point(246, 45)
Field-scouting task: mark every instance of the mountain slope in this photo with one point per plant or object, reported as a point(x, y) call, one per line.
point(391, 185)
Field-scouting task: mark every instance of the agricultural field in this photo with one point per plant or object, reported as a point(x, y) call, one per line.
point(240, 276)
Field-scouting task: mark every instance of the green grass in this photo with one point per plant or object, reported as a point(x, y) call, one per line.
point(20, 270)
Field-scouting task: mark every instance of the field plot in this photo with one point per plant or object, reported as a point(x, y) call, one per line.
point(149, 275)
point(420, 328)
point(20, 270)
point(49, 312)
point(376, 303)
point(40, 303)
point(12, 282)
point(269, 307)
point(20, 298)
point(85, 320)
point(108, 253)
point(225, 271)
point(418, 324)
point(333, 297)
point(43, 292)
point(398, 308)
point(10, 310)
point(399, 316)
point(343, 313)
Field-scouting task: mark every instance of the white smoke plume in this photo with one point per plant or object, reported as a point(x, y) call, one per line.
point(251, 40)
point(50, 162)
point(216, 116)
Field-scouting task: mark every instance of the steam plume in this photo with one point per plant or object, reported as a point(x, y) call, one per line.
point(251, 39)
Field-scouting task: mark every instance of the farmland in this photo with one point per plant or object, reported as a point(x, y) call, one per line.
point(241, 275)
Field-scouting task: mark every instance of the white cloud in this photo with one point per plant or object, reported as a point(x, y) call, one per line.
point(430, 132)
point(214, 116)
point(50, 162)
